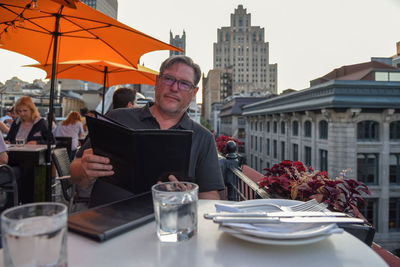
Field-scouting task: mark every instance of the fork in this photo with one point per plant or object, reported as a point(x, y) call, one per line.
point(311, 205)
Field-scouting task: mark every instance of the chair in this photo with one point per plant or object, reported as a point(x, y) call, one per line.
point(9, 181)
point(61, 161)
point(64, 141)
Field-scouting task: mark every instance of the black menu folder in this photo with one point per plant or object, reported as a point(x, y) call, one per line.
point(104, 222)
point(140, 158)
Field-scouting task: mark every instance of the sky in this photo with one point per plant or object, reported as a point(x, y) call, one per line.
point(307, 39)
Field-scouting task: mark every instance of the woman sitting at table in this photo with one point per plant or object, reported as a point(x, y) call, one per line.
point(71, 127)
point(29, 125)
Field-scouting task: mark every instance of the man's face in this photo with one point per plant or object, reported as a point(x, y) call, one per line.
point(169, 98)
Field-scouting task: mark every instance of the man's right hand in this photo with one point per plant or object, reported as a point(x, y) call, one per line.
point(87, 169)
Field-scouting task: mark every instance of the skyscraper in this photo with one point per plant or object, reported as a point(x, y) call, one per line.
point(108, 7)
point(242, 48)
point(178, 42)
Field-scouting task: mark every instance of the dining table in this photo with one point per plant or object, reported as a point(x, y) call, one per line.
point(211, 247)
point(32, 162)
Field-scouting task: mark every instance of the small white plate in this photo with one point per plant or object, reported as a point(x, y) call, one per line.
point(281, 242)
point(281, 231)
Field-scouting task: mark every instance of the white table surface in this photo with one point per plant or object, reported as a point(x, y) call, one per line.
point(210, 247)
point(26, 148)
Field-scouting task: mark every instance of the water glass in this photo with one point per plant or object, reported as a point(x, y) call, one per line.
point(20, 142)
point(35, 235)
point(175, 208)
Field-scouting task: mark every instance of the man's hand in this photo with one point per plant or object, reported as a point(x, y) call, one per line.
point(87, 169)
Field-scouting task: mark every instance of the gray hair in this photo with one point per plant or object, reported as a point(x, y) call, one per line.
point(185, 60)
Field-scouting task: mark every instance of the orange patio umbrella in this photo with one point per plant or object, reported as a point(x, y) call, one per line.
point(101, 72)
point(51, 33)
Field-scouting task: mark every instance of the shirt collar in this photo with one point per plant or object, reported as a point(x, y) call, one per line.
point(184, 123)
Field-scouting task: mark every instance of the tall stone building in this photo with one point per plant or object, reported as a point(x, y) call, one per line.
point(243, 48)
point(217, 85)
point(178, 42)
point(108, 7)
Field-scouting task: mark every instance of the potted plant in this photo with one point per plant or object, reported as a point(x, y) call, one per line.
point(293, 180)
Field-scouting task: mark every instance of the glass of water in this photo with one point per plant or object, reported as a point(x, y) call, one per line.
point(20, 142)
point(35, 235)
point(175, 208)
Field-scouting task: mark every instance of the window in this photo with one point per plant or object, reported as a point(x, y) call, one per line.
point(394, 214)
point(251, 142)
point(394, 169)
point(367, 168)
point(241, 133)
point(323, 130)
point(282, 127)
point(260, 144)
point(283, 151)
point(255, 143)
point(275, 149)
point(261, 127)
point(275, 126)
point(255, 125)
point(370, 210)
point(368, 131)
point(295, 128)
point(395, 130)
point(307, 129)
point(255, 163)
point(307, 156)
point(267, 126)
point(323, 156)
point(268, 147)
point(295, 152)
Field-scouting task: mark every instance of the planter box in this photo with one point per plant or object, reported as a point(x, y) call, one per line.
point(364, 232)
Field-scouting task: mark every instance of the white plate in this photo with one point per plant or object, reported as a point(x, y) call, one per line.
point(281, 231)
point(281, 242)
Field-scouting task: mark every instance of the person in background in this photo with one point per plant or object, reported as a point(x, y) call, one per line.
point(176, 86)
point(9, 117)
point(3, 152)
point(29, 125)
point(71, 127)
point(4, 128)
point(124, 98)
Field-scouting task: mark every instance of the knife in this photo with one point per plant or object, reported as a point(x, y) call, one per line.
point(276, 214)
point(262, 220)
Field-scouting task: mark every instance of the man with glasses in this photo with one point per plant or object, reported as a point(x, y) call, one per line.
point(176, 87)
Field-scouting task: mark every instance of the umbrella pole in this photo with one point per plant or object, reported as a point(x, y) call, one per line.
point(51, 111)
point(104, 89)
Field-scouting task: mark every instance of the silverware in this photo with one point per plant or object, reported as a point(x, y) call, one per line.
point(275, 214)
point(262, 220)
point(311, 205)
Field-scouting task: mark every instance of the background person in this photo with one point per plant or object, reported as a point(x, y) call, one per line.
point(71, 127)
point(3, 151)
point(124, 98)
point(176, 87)
point(29, 125)
point(9, 117)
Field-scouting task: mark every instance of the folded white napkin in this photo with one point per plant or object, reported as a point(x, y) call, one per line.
point(286, 229)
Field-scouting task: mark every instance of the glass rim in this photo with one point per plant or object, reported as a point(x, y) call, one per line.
point(195, 187)
point(28, 205)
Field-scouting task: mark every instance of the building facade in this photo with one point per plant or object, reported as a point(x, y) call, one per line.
point(108, 7)
point(336, 125)
point(217, 85)
point(178, 41)
point(243, 48)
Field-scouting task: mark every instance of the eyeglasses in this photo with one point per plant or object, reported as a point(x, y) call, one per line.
point(182, 84)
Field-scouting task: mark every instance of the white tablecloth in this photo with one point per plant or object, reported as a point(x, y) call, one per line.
point(140, 247)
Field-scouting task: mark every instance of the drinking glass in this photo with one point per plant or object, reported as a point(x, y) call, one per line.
point(20, 142)
point(35, 235)
point(175, 208)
